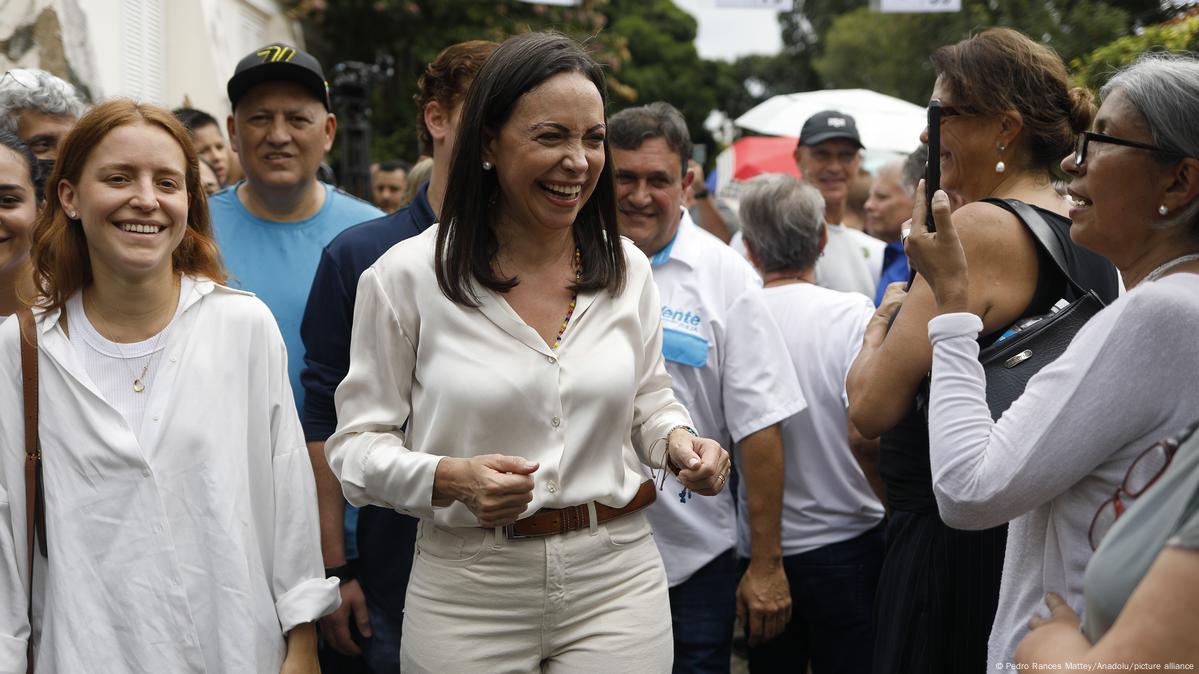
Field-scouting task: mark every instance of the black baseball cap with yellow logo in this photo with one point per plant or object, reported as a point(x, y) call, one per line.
point(275, 62)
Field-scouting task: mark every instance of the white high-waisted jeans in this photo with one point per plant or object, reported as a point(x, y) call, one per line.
point(586, 601)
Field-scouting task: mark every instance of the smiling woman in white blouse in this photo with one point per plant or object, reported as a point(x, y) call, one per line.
point(506, 380)
point(180, 511)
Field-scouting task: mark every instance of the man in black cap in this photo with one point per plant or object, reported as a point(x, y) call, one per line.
point(829, 155)
point(272, 226)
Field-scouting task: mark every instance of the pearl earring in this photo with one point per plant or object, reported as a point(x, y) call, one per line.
point(1000, 167)
point(487, 166)
point(72, 215)
point(1162, 210)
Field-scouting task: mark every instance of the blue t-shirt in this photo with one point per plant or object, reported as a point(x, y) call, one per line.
point(276, 260)
point(895, 268)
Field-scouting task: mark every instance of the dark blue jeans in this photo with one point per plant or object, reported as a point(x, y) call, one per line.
point(832, 610)
point(702, 611)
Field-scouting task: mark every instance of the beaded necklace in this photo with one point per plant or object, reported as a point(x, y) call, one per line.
point(574, 298)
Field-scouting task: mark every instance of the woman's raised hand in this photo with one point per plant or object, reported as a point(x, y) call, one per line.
point(495, 487)
point(938, 256)
point(703, 464)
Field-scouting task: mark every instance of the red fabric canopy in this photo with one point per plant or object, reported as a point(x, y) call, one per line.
point(764, 154)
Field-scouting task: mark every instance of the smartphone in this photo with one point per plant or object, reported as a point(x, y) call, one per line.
point(932, 168)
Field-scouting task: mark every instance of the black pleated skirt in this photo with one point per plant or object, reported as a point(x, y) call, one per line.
point(937, 596)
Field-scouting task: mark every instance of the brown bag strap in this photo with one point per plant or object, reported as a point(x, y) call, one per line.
point(35, 502)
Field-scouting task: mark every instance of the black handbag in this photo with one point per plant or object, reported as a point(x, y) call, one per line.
point(1012, 361)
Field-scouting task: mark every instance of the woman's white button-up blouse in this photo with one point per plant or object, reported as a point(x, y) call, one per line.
point(430, 379)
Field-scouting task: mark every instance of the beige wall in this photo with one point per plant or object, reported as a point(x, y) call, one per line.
point(156, 50)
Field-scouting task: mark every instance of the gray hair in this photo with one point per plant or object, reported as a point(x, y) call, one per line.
point(631, 127)
point(913, 169)
point(1164, 88)
point(50, 96)
point(782, 220)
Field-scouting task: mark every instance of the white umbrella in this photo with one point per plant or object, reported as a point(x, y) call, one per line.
point(886, 123)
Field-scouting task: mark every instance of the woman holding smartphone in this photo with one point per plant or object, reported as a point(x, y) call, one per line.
point(1065, 460)
point(1007, 117)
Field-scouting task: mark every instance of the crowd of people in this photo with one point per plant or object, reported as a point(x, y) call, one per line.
point(550, 404)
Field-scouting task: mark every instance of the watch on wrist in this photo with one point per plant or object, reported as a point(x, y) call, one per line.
point(701, 195)
point(345, 573)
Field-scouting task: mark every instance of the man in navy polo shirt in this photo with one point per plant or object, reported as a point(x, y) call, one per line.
point(374, 565)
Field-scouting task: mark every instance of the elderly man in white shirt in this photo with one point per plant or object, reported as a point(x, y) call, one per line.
point(730, 367)
point(832, 520)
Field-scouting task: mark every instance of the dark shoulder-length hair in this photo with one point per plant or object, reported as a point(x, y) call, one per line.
point(466, 238)
point(61, 263)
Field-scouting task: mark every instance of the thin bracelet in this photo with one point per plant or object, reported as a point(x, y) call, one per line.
point(670, 464)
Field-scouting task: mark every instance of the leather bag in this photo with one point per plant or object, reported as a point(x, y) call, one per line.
point(35, 499)
point(1011, 362)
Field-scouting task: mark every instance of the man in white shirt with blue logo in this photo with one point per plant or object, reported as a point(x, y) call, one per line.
point(732, 371)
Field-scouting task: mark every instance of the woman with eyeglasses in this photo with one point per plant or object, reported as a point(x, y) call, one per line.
point(1053, 461)
point(1008, 116)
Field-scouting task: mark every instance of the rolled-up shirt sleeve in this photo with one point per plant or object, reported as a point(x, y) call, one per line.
point(655, 408)
point(302, 593)
point(367, 453)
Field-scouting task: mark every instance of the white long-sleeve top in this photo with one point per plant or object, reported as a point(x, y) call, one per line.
point(479, 380)
point(193, 549)
point(1127, 380)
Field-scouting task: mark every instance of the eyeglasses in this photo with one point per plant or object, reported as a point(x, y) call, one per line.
point(1085, 138)
point(948, 111)
point(1144, 472)
point(22, 77)
point(951, 111)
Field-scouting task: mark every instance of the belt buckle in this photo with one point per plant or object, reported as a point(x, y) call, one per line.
point(511, 534)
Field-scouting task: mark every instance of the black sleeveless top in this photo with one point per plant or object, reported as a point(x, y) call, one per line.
point(904, 461)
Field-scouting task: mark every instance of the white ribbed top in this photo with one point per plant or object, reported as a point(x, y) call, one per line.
point(113, 366)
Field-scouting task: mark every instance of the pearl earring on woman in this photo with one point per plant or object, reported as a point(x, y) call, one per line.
point(1162, 210)
point(487, 166)
point(1000, 167)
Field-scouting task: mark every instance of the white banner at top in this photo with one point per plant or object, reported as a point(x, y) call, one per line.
point(918, 6)
point(776, 5)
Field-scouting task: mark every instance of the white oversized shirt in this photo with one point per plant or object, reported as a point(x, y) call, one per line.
point(730, 368)
point(193, 549)
point(1126, 381)
point(469, 381)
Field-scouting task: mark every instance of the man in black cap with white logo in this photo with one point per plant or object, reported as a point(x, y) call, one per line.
point(829, 155)
point(272, 226)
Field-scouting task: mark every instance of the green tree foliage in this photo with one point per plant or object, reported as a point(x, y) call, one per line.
point(412, 32)
point(662, 63)
point(890, 52)
point(648, 47)
point(1094, 69)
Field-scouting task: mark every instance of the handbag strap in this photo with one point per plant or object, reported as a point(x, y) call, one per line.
point(35, 503)
point(1043, 233)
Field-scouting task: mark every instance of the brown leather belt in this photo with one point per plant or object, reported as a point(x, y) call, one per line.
point(550, 521)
